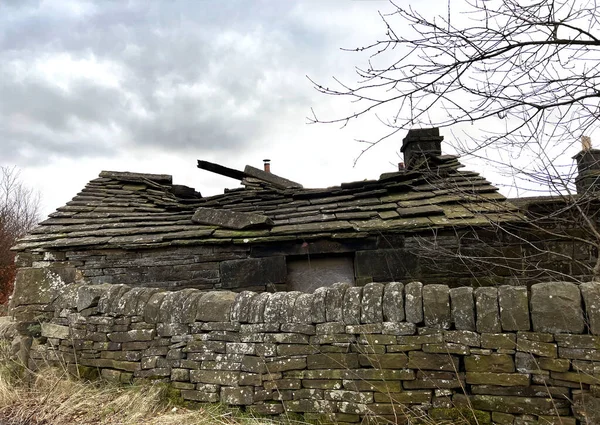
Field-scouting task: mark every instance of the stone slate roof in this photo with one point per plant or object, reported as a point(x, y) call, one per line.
point(129, 210)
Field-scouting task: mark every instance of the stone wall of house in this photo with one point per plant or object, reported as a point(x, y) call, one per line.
point(466, 258)
point(505, 355)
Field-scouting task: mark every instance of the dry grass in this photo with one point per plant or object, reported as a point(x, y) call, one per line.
point(50, 397)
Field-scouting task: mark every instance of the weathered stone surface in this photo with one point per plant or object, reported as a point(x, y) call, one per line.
point(413, 302)
point(50, 330)
point(463, 308)
point(494, 363)
point(591, 298)
point(253, 272)
point(230, 219)
point(214, 377)
point(89, 295)
point(499, 341)
point(143, 298)
point(288, 304)
point(200, 396)
point(351, 305)
point(384, 361)
point(518, 405)
point(109, 299)
point(488, 317)
point(393, 302)
point(318, 306)
point(472, 339)
point(41, 285)
point(152, 309)
point(556, 308)
point(544, 349)
point(395, 328)
point(502, 379)
point(239, 311)
point(274, 307)
point(514, 308)
point(271, 178)
point(332, 361)
point(256, 308)
point(425, 361)
point(436, 306)
point(303, 308)
point(371, 304)
point(334, 297)
point(173, 307)
point(237, 396)
point(436, 380)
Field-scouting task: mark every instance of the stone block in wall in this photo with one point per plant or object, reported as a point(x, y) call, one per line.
point(253, 272)
point(436, 380)
point(215, 306)
point(318, 306)
point(514, 404)
point(302, 309)
point(351, 306)
point(256, 308)
point(591, 298)
point(413, 302)
point(463, 308)
point(51, 330)
point(393, 302)
point(334, 298)
point(386, 265)
point(488, 315)
point(143, 298)
point(240, 307)
point(496, 363)
point(41, 285)
point(179, 306)
point(89, 295)
point(436, 306)
point(127, 304)
point(514, 308)
point(556, 307)
point(152, 308)
point(109, 299)
point(426, 361)
point(371, 304)
point(332, 361)
point(237, 396)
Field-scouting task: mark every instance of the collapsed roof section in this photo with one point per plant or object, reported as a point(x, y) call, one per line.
point(129, 210)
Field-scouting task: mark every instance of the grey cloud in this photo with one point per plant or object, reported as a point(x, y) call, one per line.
point(250, 57)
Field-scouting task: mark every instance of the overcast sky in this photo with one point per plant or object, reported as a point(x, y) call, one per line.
point(151, 87)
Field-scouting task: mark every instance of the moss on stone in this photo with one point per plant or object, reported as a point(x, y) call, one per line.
point(468, 416)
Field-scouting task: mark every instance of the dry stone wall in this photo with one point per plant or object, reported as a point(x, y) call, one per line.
point(383, 351)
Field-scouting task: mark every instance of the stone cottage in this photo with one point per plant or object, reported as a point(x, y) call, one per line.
point(394, 329)
point(429, 221)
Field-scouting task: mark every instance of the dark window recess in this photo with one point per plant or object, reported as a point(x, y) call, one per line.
point(307, 274)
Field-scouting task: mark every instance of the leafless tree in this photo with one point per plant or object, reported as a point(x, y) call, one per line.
point(526, 70)
point(19, 212)
point(524, 74)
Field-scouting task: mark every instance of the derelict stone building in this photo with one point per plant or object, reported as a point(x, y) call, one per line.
point(394, 327)
point(430, 221)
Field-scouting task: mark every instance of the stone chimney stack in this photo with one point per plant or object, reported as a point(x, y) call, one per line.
point(588, 167)
point(418, 144)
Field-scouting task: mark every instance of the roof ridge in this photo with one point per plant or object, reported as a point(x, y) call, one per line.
point(164, 179)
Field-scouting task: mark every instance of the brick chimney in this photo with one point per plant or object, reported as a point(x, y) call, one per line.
point(418, 144)
point(588, 167)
